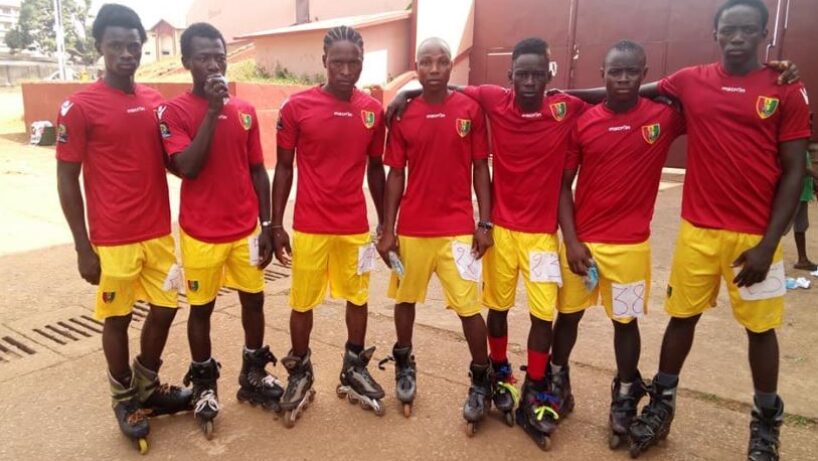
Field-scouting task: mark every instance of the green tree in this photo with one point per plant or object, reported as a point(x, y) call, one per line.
point(35, 29)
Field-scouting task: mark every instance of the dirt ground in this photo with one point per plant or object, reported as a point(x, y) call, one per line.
point(54, 397)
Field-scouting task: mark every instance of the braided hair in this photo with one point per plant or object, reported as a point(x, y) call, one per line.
point(341, 33)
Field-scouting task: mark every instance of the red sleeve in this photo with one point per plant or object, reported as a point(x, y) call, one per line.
point(254, 151)
point(71, 133)
point(795, 122)
point(396, 147)
point(573, 155)
point(287, 127)
point(484, 94)
point(378, 138)
point(173, 129)
point(672, 85)
point(479, 137)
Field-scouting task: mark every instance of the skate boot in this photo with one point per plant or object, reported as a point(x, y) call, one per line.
point(653, 425)
point(405, 368)
point(479, 401)
point(256, 385)
point(538, 413)
point(506, 397)
point(132, 419)
point(299, 391)
point(204, 377)
point(357, 385)
point(765, 427)
point(560, 385)
point(623, 410)
point(159, 398)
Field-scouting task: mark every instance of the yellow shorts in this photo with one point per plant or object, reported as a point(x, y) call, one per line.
point(624, 281)
point(423, 256)
point(135, 271)
point(343, 261)
point(702, 258)
point(514, 252)
point(209, 266)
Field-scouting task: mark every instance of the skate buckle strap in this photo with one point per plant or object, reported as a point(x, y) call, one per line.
point(269, 357)
point(384, 361)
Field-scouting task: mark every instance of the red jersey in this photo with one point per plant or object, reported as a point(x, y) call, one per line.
point(220, 205)
point(529, 154)
point(620, 158)
point(114, 135)
point(332, 140)
point(734, 125)
point(438, 142)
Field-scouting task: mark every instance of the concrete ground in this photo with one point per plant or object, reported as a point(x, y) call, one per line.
point(54, 396)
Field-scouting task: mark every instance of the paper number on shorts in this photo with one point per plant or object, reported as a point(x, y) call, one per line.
point(366, 258)
point(628, 299)
point(470, 269)
point(544, 267)
point(772, 287)
point(252, 244)
point(173, 281)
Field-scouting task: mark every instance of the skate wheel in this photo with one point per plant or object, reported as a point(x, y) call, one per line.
point(351, 399)
point(407, 410)
point(142, 446)
point(614, 440)
point(207, 428)
point(340, 392)
point(509, 416)
point(544, 443)
point(380, 410)
point(635, 451)
point(312, 395)
point(471, 429)
point(363, 404)
point(289, 420)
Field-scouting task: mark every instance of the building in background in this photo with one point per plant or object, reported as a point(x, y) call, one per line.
point(9, 15)
point(163, 42)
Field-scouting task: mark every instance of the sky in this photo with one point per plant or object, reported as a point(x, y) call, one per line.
point(152, 11)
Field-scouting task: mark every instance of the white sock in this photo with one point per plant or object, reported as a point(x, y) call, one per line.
point(624, 388)
point(555, 368)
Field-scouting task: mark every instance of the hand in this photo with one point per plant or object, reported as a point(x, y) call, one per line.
point(388, 242)
point(396, 108)
point(216, 92)
point(482, 241)
point(281, 247)
point(787, 69)
point(579, 257)
point(756, 263)
point(88, 265)
point(265, 248)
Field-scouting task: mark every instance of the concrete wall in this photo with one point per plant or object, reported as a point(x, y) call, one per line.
point(326, 9)
point(14, 73)
point(385, 52)
point(41, 101)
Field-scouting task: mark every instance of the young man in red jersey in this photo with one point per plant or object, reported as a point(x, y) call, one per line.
point(529, 135)
point(337, 133)
point(442, 139)
point(737, 117)
point(108, 132)
point(212, 140)
point(619, 147)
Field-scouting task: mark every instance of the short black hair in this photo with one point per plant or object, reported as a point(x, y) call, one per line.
point(627, 46)
point(531, 45)
point(757, 4)
point(341, 33)
point(199, 29)
point(116, 15)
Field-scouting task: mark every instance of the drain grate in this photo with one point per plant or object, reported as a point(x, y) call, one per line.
point(72, 329)
point(271, 275)
point(13, 349)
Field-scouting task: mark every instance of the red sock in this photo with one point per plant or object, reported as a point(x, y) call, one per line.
point(498, 346)
point(537, 361)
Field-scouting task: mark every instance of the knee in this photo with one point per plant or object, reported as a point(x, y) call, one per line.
point(761, 337)
point(571, 319)
point(252, 301)
point(118, 323)
point(628, 328)
point(684, 322)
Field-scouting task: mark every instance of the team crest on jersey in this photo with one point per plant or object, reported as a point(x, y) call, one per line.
point(193, 285)
point(164, 130)
point(651, 133)
point(246, 120)
point(108, 296)
point(62, 134)
point(65, 107)
point(463, 127)
point(369, 118)
point(558, 110)
point(766, 107)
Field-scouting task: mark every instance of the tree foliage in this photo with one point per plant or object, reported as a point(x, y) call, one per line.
point(35, 29)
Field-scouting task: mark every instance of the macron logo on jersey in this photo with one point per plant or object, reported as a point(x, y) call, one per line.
point(437, 115)
point(134, 110)
point(160, 111)
point(615, 129)
point(532, 115)
point(67, 105)
point(804, 94)
point(342, 114)
point(733, 89)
